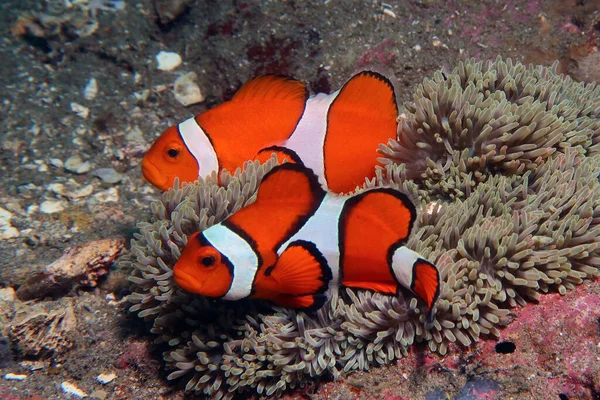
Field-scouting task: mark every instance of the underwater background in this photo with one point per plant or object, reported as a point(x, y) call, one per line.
point(87, 86)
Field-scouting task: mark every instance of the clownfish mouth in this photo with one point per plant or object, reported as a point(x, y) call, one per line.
point(153, 175)
point(186, 281)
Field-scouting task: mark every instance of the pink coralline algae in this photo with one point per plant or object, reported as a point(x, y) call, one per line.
point(550, 351)
point(558, 340)
point(380, 54)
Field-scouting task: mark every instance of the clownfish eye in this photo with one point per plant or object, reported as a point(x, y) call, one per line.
point(173, 153)
point(208, 261)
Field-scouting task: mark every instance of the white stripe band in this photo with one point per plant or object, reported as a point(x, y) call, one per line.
point(403, 262)
point(240, 254)
point(310, 134)
point(322, 229)
point(198, 144)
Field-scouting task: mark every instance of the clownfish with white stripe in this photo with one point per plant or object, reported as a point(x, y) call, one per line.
point(335, 135)
point(296, 243)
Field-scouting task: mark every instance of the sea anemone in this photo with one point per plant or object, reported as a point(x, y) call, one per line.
point(492, 118)
point(503, 220)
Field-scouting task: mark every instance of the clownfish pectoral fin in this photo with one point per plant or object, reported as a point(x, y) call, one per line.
point(283, 155)
point(426, 282)
point(308, 302)
point(287, 196)
point(381, 287)
point(300, 270)
point(363, 115)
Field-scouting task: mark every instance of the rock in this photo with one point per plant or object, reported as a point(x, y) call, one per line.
point(135, 135)
point(8, 294)
point(81, 265)
point(71, 190)
point(29, 191)
point(15, 377)
point(35, 365)
point(107, 196)
point(6, 358)
point(7, 231)
point(167, 61)
point(99, 394)
point(77, 166)
point(186, 90)
point(43, 329)
point(91, 89)
point(588, 68)
point(52, 206)
point(70, 388)
point(169, 10)
point(56, 162)
point(106, 377)
point(108, 175)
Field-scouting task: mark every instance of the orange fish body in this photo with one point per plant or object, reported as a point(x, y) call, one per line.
point(297, 242)
point(335, 135)
point(264, 111)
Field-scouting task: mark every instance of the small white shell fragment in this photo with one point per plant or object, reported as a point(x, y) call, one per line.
point(105, 378)
point(77, 166)
point(80, 110)
point(389, 13)
point(51, 206)
point(8, 294)
point(88, 29)
point(91, 89)
point(167, 60)
point(186, 90)
point(15, 377)
point(135, 135)
point(7, 231)
point(56, 162)
point(108, 196)
point(69, 388)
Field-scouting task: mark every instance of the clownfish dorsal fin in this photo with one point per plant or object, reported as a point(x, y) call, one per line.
point(287, 196)
point(271, 88)
point(265, 110)
point(372, 224)
point(362, 116)
point(426, 282)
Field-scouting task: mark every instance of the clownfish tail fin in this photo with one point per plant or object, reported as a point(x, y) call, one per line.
point(426, 283)
point(418, 275)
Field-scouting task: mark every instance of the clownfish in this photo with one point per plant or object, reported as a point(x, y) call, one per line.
point(296, 243)
point(335, 135)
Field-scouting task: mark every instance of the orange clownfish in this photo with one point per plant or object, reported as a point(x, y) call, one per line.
point(335, 135)
point(296, 242)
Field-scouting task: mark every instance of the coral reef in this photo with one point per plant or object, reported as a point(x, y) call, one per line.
point(42, 330)
point(502, 160)
point(81, 265)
